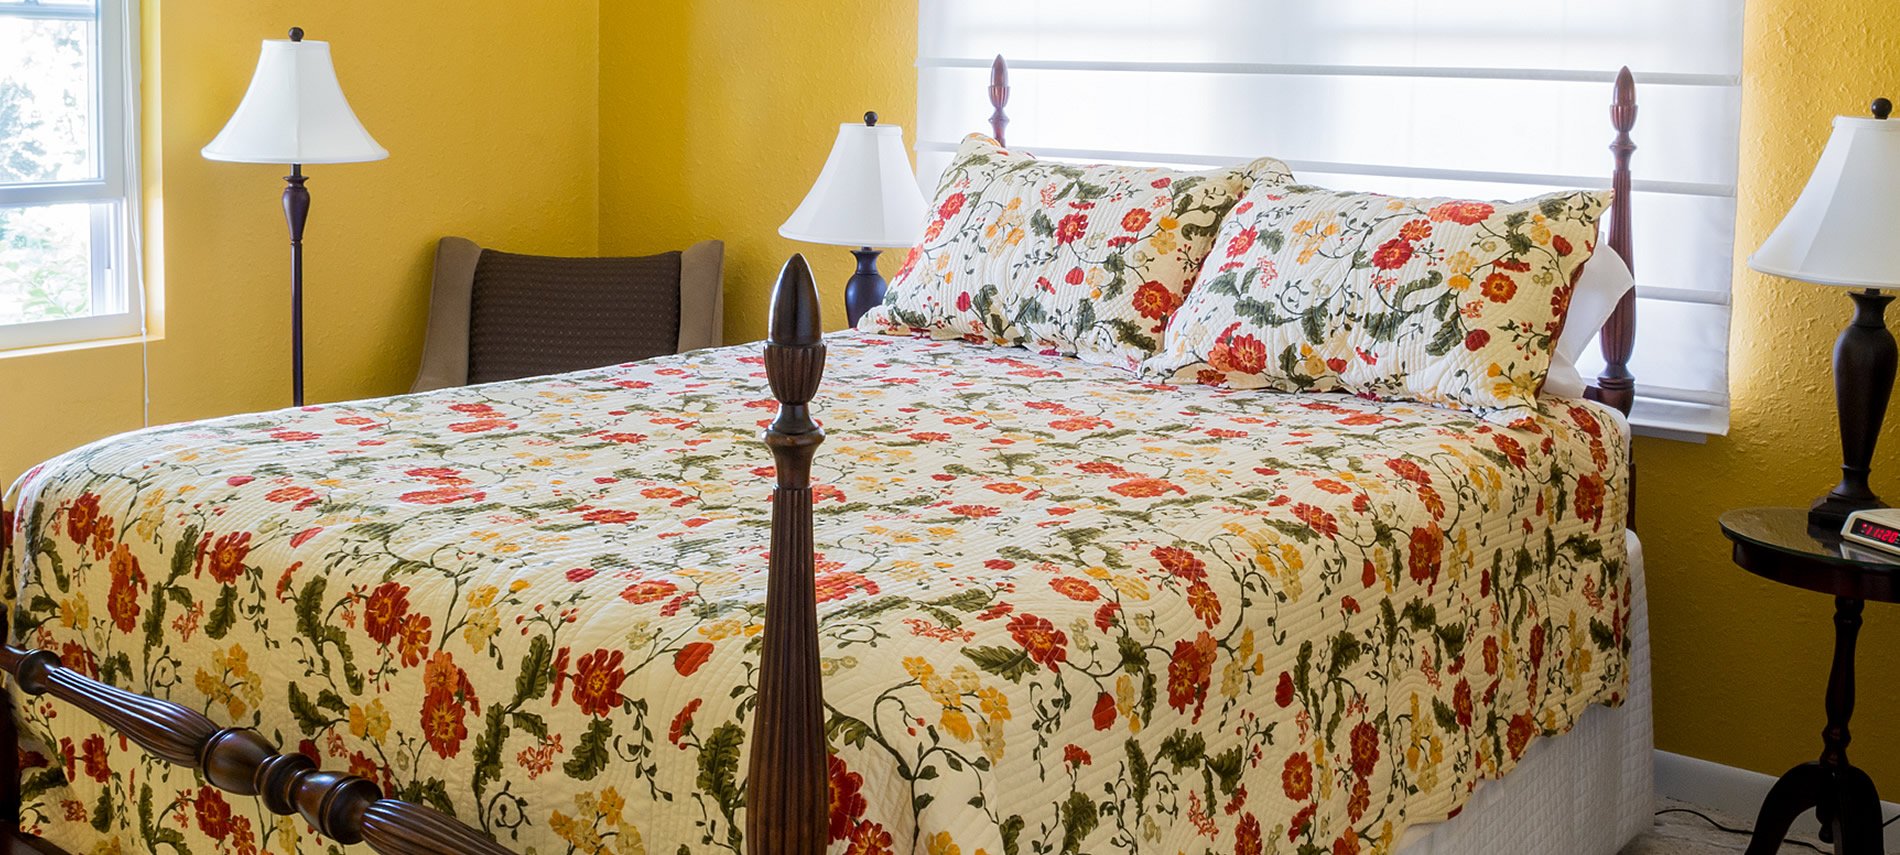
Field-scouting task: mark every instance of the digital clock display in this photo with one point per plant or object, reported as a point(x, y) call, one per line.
point(1876, 532)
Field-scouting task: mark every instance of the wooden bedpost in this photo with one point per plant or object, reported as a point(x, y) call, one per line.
point(343, 808)
point(999, 98)
point(1616, 386)
point(788, 801)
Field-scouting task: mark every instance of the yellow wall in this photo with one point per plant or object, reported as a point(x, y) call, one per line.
point(488, 108)
point(697, 118)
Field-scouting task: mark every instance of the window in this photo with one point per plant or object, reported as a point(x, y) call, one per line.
point(68, 172)
point(1487, 98)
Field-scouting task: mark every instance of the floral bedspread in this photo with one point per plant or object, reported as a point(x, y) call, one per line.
point(1063, 610)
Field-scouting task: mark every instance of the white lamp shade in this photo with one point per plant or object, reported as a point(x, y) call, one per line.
point(1843, 229)
point(865, 196)
point(294, 112)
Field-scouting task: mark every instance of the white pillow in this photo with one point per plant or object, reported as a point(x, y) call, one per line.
point(1604, 281)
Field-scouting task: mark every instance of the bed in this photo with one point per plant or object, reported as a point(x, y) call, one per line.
point(1028, 603)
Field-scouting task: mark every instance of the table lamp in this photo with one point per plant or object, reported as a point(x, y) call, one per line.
point(1841, 232)
point(866, 196)
point(294, 113)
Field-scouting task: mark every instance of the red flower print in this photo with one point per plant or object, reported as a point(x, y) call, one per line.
point(385, 610)
point(974, 511)
point(1512, 450)
point(1243, 354)
point(1427, 548)
point(1242, 241)
point(214, 813)
point(444, 724)
point(1072, 227)
point(597, 679)
point(683, 721)
point(293, 435)
point(951, 206)
point(1283, 693)
point(128, 582)
point(1461, 702)
point(1136, 220)
point(648, 591)
point(1561, 245)
point(1361, 799)
point(1515, 265)
point(1462, 213)
point(1477, 339)
point(1040, 639)
point(1154, 301)
point(1297, 778)
point(1180, 562)
point(1105, 616)
point(1491, 654)
point(1074, 276)
point(1145, 488)
point(869, 838)
point(413, 640)
point(1247, 839)
point(1190, 671)
point(227, 555)
point(1519, 736)
point(1204, 602)
point(837, 586)
point(690, 657)
point(610, 515)
point(1075, 755)
point(1301, 821)
point(1409, 471)
point(963, 301)
point(1416, 230)
point(1365, 748)
point(1392, 254)
point(1075, 589)
point(81, 517)
point(1318, 519)
point(93, 752)
point(1104, 713)
point(478, 426)
point(301, 497)
point(1499, 287)
point(1589, 500)
point(1347, 844)
point(847, 797)
point(443, 496)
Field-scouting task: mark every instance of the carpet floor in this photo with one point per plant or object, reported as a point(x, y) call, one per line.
point(1679, 833)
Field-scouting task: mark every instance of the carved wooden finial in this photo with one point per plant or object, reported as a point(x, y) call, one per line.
point(1623, 106)
point(1616, 386)
point(787, 796)
point(296, 34)
point(999, 98)
point(1882, 108)
point(870, 118)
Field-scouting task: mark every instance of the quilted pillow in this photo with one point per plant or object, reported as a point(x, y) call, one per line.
point(1079, 260)
point(1445, 301)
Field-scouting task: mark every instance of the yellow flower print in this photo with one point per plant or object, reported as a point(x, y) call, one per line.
point(957, 724)
point(369, 722)
point(941, 844)
point(990, 733)
point(994, 704)
point(231, 682)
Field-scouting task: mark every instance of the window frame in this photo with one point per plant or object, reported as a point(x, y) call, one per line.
point(114, 273)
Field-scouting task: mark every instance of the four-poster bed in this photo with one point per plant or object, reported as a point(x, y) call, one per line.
point(792, 783)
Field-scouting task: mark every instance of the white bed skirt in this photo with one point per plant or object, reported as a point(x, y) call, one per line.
point(1587, 792)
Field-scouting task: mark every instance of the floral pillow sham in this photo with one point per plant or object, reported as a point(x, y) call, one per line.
point(1451, 302)
point(1083, 260)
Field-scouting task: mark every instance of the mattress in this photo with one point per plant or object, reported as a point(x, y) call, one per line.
point(1061, 609)
point(1587, 792)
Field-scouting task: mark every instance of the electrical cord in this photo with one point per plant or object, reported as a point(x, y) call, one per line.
point(1720, 827)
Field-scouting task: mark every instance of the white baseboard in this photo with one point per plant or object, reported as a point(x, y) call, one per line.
point(1737, 792)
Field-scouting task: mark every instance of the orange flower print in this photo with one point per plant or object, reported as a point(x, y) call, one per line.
point(1318, 519)
point(93, 753)
point(1243, 354)
point(1189, 672)
point(1247, 837)
point(128, 582)
point(1589, 501)
point(1154, 301)
point(1180, 562)
point(1499, 287)
point(1462, 213)
point(869, 838)
point(1297, 778)
point(413, 640)
point(1040, 639)
point(651, 590)
point(444, 724)
point(1136, 220)
point(1145, 488)
point(837, 586)
point(691, 657)
point(1204, 602)
point(951, 206)
point(1511, 449)
point(1416, 230)
point(683, 722)
point(1427, 547)
point(1072, 227)
point(1075, 589)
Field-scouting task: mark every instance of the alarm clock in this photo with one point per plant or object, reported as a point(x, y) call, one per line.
point(1875, 527)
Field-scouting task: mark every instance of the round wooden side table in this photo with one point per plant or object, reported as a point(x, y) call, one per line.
point(1777, 544)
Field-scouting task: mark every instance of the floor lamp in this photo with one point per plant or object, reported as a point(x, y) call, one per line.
point(295, 114)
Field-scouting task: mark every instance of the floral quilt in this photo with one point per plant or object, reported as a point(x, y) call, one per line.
point(1062, 610)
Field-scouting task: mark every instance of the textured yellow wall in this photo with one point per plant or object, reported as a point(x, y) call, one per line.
point(1741, 663)
point(488, 108)
point(716, 116)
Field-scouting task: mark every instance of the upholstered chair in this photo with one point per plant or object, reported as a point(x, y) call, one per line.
point(501, 315)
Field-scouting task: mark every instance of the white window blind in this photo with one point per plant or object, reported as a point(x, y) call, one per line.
point(1484, 98)
point(68, 172)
